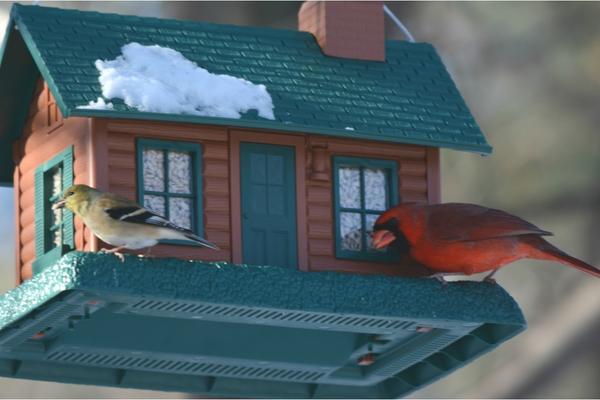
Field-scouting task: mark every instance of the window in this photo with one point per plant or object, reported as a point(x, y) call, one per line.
point(363, 189)
point(53, 228)
point(169, 181)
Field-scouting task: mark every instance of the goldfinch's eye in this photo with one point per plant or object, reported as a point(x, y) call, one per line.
point(70, 194)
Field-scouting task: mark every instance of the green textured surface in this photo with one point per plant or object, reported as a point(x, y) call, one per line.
point(244, 331)
point(410, 98)
point(318, 291)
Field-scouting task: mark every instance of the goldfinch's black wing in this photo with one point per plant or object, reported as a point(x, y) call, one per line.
point(138, 215)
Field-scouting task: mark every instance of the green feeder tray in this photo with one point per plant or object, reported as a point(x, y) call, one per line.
point(218, 329)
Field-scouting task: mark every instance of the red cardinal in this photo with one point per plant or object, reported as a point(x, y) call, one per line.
point(466, 238)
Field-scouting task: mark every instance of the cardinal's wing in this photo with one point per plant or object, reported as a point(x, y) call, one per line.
point(469, 222)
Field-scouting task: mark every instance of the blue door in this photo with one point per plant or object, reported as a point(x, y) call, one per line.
point(268, 189)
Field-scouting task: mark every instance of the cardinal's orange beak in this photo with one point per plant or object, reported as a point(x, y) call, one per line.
point(382, 238)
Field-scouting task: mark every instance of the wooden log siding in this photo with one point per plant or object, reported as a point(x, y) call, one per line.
point(45, 134)
point(105, 157)
point(220, 221)
point(121, 171)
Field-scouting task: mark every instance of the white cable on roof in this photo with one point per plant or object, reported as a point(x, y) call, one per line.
point(399, 24)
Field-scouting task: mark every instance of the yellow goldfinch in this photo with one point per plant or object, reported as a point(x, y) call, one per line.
point(121, 222)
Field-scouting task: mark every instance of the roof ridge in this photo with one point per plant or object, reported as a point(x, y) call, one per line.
point(201, 24)
point(17, 9)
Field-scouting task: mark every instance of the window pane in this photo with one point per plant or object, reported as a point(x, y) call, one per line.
point(57, 214)
point(180, 212)
point(154, 173)
point(57, 186)
point(375, 189)
point(155, 203)
point(180, 165)
point(57, 232)
point(349, 181)
point(350, 231)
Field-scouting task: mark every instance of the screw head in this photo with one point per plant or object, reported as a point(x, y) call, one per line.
point(38, 336)
point(366, 360)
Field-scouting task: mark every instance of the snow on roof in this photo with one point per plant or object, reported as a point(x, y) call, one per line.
point(99, 104)
point(159, 79)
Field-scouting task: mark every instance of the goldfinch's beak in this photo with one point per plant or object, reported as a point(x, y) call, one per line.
point(382, 238)
point(59, 204)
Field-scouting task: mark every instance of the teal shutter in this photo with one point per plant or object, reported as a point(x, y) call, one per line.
point(46, 253)
point(39, 212)
point(67, 178)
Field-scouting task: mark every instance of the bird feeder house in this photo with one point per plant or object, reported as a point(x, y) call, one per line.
point(296, 303)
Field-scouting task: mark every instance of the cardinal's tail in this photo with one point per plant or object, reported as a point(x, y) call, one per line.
point(566, 259)
point(549, 252)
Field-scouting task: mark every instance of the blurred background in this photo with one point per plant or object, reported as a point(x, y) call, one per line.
point(530, 73)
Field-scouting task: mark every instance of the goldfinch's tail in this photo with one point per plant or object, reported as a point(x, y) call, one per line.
point(201, 241)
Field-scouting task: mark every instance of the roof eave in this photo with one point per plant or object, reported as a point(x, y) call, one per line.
point(17, 83)
point(483, 149)
point(18, 88)
point(39, 62)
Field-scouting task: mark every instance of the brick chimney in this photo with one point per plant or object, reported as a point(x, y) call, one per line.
point(349, 29)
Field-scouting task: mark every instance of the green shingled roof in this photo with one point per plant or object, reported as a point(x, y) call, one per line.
point(410, 98)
